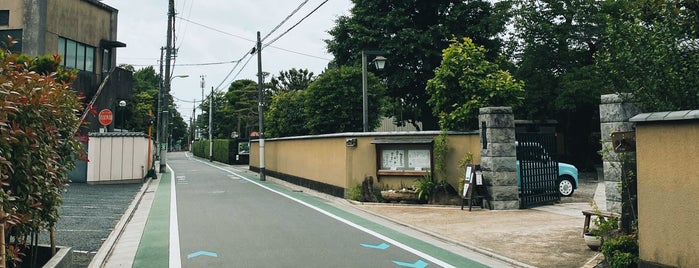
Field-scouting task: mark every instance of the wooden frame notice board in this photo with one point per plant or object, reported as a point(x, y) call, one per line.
point(473, 186)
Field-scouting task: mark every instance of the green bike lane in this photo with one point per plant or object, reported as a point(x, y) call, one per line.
point(157, 250)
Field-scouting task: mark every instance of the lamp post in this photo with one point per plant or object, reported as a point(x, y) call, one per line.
point(379, 63)
point(163, 121)
point(122, 104)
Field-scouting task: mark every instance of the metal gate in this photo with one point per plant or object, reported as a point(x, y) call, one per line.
point(537, 169)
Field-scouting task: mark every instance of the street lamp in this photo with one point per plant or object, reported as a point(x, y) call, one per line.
point(163, 121)
point(122, 104)
point(379, 63)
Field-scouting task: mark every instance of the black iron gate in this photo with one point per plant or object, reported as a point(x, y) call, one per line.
point(538, 169)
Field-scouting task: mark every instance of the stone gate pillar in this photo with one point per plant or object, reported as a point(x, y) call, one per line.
point(614, 117)
point(499, 157)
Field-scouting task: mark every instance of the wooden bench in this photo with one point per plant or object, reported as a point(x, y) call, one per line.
point(589, 213)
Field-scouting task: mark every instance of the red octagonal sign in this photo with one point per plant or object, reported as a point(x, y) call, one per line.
point(105, 117)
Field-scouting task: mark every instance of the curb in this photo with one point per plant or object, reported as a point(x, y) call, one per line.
point(107, 248)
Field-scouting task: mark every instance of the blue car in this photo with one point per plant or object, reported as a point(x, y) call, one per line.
point(567, 173)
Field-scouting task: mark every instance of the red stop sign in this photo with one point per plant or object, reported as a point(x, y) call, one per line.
point(106, 117)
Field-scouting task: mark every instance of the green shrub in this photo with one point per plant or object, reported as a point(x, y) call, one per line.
point(355, 193)
point(424, 187)
point(620, 251)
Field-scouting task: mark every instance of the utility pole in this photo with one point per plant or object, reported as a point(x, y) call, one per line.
point(190, 136)
point(201, 84)
point(165, 101)
point(159, 114)
point(261, 107)
point(211, 125)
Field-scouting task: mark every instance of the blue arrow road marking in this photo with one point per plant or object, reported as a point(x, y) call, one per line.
point(417, 264)
point(202, 253)
point(379, 246)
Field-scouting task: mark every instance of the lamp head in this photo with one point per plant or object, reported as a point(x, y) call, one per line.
point(379, 62)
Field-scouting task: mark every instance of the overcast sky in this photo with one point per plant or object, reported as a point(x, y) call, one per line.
point(215, 31)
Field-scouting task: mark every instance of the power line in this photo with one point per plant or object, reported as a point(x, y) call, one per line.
point(294, 26)
point(190, 64)
point(284, 21)
point(215, 30)
point(253, 41)
point(252, 52)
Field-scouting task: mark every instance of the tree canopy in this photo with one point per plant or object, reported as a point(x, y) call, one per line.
point(413, 33)
point(465, 82)
point(333, 102)
point(653, 53)
point(291, 80)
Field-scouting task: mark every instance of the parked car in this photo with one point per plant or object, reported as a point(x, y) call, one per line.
point(567, 173)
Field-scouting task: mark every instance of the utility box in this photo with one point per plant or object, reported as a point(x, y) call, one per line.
point(118, 157)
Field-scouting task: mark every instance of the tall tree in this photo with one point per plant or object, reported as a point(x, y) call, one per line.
point(465, 82)
point(285, 116)
point(653, 52)
point(413, 33)
point(145, 98)
point(554, 46)
point(291, 80)
point(333, 102)
point(242, 100)
point(222, 125)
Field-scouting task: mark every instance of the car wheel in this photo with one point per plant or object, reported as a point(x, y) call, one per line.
point(565, 186)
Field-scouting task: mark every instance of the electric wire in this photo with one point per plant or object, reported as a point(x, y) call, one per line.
point(189, 64)
point(285, 20)
point(253, 41)
point(294, 26)
point(265, 45)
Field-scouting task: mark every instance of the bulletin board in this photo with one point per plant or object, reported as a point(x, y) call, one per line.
point(474, 187)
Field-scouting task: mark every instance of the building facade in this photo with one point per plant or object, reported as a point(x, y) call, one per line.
point(82, 32)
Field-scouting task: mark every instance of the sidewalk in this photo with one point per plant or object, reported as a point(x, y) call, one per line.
point(548, 236)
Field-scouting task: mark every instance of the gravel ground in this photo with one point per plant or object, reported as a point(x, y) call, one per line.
point(88, 215)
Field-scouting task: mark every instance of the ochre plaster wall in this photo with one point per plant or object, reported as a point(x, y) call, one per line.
point(668, 192)
point(327, 159)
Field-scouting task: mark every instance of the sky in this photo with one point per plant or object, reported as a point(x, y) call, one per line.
point(211, 34)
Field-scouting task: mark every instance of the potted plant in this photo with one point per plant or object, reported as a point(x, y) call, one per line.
point(606, 227)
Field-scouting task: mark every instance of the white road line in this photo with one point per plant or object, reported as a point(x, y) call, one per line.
point(356, 226)
point(175, 261)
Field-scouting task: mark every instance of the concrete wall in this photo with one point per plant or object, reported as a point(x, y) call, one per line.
point(328, 160)
point(82, 21)
point(668, 182)
point(16, 9)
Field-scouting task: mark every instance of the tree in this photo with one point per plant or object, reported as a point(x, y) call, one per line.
point(653, 53)
point(285, 116)
point(333, 102)
point(465, 82)
point(554, 45)
point(291, 80)
point(413, 33)
point(222, 117)
point(242, 99)
point(145, 98)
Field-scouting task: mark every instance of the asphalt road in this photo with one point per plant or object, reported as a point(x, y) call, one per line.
point(228, 218)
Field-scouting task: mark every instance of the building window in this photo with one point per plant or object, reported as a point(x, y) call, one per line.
point(4, 17)
point(76, 55)
point(16, 36)
point(403, 156)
